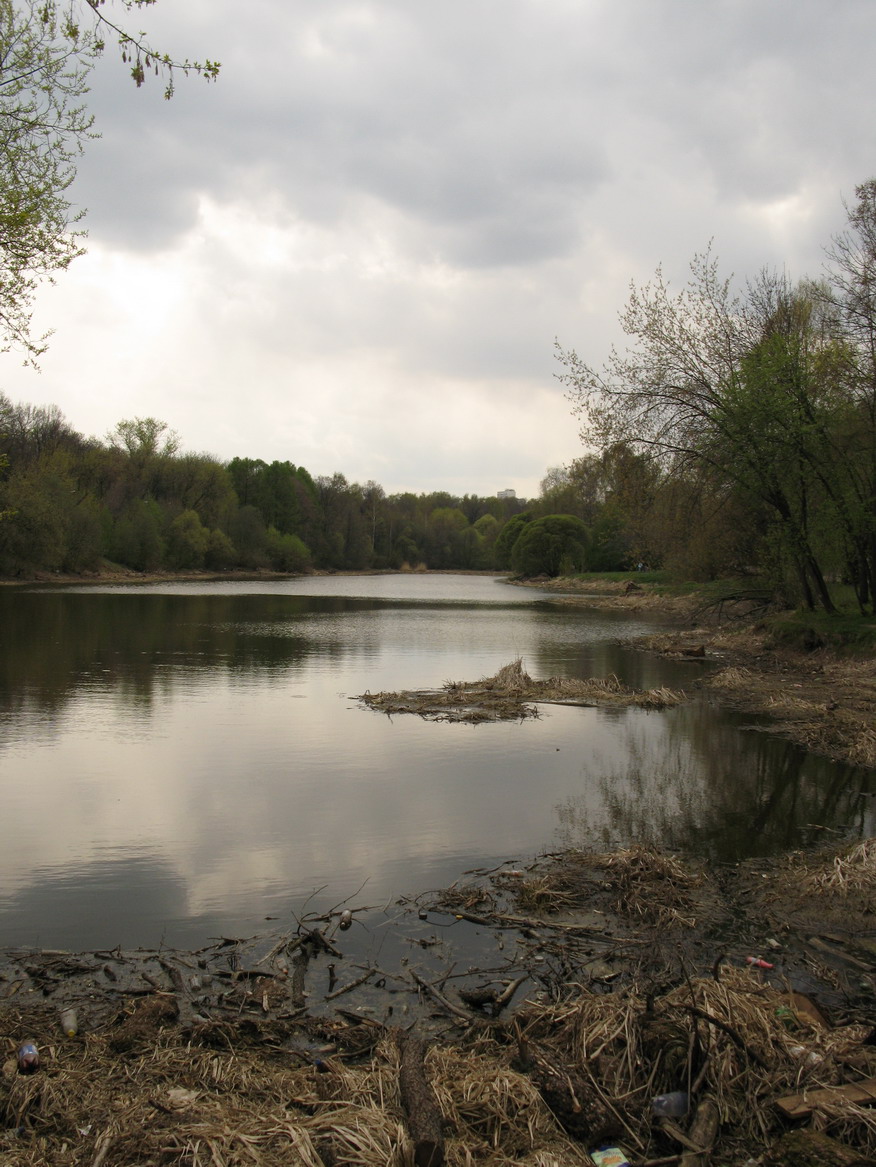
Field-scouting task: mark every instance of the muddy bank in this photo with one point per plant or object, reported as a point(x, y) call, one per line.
point(605, 981)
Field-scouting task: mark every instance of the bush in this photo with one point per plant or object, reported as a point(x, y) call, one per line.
point(508, 536)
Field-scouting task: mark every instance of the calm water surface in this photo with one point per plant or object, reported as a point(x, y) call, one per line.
point(183, 761)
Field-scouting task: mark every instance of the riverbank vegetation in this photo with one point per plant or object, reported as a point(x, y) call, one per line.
point(751, 415)
point(734, 439)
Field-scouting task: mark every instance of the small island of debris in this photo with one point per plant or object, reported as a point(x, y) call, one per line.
point(512, 695)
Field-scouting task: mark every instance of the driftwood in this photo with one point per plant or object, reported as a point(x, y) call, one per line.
point(419, 1103)
point(299, 968)
point(703, 1132)
point(366, 976)
point(488, 997)
point(455, 1010)
point(800, 1105)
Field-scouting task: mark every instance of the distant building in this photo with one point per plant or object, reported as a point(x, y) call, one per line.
point(506, 494)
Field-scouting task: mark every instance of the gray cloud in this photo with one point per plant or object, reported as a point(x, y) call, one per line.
point(404, 204)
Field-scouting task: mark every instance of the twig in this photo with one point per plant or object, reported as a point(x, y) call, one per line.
point(351, 985)
point(505, 996)
point(440, 998)
point(103, 1145)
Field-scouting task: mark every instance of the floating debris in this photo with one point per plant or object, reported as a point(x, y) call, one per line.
point(512, 695)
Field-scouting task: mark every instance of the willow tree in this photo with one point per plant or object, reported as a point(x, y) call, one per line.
point(724, 386)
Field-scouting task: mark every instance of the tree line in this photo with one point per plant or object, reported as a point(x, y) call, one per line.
point(70, 503)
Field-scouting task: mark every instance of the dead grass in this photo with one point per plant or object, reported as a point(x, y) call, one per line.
point(853, 870)
point(512, 694)
point(177, 1103)
point(651, 886)
point(144, 1089)
point(725, 1035)
point(644, 885)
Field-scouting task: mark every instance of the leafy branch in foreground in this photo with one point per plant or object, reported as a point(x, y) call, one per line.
point(144, 57)
point(46, 57)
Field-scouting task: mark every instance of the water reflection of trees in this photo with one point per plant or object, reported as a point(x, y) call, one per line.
point(709, 787)
point(56, 644)
point(611, 651)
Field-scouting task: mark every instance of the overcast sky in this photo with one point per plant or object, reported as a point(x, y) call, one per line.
point(356, 250)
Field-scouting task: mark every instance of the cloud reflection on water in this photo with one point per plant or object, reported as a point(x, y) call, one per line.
point(179, 765)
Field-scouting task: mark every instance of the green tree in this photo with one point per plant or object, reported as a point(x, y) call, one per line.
point(508, 536)
point(287, 552)
point(487, 528)
point(187, 541)
point(851, 292)
point(445, 538)
point(553, 545)
point(143, 438)
point(736, 389)
point(220, 553)
point(44, 125)
point(136, 539)
point(249, 535)
point(36, 499)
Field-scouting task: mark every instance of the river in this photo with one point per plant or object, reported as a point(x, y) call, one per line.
point(181, 761)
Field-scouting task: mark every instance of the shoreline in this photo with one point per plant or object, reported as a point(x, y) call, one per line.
point(613, 979)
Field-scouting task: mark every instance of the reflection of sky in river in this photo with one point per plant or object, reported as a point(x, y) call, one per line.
point(214, 768)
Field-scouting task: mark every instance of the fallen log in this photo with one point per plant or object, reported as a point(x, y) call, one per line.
point(296, 988)
point(419, 1103)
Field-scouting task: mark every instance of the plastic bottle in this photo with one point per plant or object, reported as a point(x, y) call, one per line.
point(69, 1022)
point(28, 1058)
point(346, 919)
point(674, 1105)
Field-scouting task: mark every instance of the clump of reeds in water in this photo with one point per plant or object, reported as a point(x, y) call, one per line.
point(651, 886)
